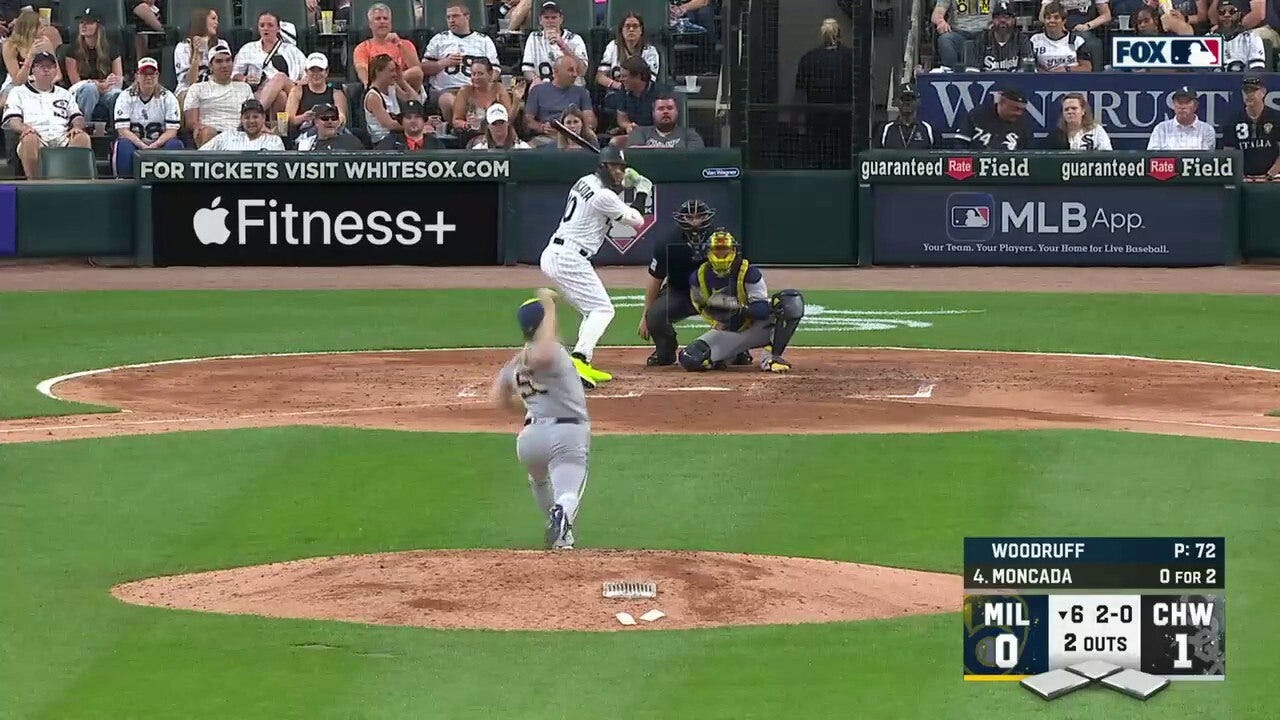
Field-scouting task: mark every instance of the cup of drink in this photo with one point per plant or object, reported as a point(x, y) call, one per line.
point(254, 75)
point(282, 123)
point(326, 22)
point(437, 124)
point(46, 15)
point(473, 122)
point(340, 25)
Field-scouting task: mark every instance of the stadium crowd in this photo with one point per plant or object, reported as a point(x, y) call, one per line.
point(327, 81)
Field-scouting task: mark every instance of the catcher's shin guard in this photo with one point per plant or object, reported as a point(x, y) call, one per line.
point(695, 356)
point(788, 309)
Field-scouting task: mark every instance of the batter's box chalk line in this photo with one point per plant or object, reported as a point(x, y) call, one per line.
point(923, 390)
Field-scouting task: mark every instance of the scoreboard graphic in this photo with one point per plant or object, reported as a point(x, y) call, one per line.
point(1058, 614)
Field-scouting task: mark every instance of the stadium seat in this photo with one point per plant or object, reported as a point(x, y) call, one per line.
point(433, 12)
point(579, 15)
point(69, 163)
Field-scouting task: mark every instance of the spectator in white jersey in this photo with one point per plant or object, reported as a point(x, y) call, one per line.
point(629, 42)
point(1262, 18)
point(146, 118)
point(908, 131)
point(1084, 18)
point(328, 135)
point(43, 114)
point(93, 67)
point(1185, 131)
point(1256, 131)
point(1058, 49)
point(271, 64)
point(1002, 47)
point(1241, 49)
point(252, 134)
point(666, 131)
point(449, 56)
point(552, 42)
point(498, 133)
point(213, 106)
point(191, 56)
point(1077, 128)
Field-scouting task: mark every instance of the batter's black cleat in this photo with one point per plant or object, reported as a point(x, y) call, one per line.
point(743, 358)
point(656, 360)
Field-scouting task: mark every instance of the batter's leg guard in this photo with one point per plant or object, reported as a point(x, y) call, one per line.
point(788, 309)
point(695, 356)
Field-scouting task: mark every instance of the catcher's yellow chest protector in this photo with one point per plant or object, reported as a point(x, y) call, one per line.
point(736, 279)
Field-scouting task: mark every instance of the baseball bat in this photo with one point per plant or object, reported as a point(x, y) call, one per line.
point(575, 137)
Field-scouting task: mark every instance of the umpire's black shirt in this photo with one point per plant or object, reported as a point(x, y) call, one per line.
point(1258, 140)
point(984, 129)
point(674, 261)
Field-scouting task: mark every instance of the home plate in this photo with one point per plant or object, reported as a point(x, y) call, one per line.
point(925, 390)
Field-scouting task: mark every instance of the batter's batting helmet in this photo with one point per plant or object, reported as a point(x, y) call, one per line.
point(610, 155)
point(530, 317)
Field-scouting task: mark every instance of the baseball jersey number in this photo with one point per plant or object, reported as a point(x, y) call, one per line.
point(527, 387)
point(1242, 131)
point(983, 137)
point(570, 208)
point(464, 67)
point(150, 131)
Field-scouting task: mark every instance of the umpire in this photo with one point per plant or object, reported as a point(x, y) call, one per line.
point(666, 290)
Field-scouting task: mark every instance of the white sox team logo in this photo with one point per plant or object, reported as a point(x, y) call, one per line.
point(819, 318)
point(621, 235)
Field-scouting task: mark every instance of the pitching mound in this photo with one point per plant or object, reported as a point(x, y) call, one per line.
point(533, 590)
point(830, 391)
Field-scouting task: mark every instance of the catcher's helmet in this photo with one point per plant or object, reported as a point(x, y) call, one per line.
point(530, 317)
point(694, 218)
point(722, 250)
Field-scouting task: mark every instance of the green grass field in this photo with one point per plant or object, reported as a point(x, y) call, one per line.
point(77, 517)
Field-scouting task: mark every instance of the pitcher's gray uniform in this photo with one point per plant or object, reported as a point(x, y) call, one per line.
point(556, 439)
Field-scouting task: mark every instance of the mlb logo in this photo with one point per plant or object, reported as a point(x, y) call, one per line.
point(969, 217)
point(1129, 53)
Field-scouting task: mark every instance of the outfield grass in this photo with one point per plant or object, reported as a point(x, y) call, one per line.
point(77, 517)
point(55, 333)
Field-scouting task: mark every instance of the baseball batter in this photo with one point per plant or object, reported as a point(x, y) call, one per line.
point(732, 296)
point(593, 203)
point(556, 438)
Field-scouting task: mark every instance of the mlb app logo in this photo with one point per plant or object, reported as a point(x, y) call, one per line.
point(969, 217)
point(1128, 53)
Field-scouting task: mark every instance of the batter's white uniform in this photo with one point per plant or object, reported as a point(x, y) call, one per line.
point(567, 258)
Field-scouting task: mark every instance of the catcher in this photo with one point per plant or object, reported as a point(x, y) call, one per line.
point(731, 295)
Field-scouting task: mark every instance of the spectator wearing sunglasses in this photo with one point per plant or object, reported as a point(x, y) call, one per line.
point(328, 136)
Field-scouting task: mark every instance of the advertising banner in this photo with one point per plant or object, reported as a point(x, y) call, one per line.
point(1128, 105)
point(1051, 226)
point(905, 167)
point(8, 220)
point(164, 166)
point(540, 206)
point(336, 224)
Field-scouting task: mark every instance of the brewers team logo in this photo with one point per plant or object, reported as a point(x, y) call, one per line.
point(621, 235)
point(969, 217)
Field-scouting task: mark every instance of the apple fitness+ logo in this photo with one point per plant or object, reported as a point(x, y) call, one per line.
point(314, 227)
